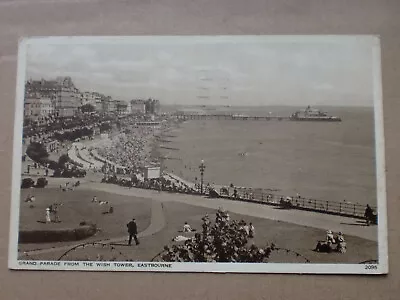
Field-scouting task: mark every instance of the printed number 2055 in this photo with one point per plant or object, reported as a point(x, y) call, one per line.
point(371, 267)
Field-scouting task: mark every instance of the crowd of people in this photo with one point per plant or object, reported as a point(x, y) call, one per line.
point(130, 149)
point(159, 184)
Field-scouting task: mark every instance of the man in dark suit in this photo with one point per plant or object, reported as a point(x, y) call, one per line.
point(132, 230)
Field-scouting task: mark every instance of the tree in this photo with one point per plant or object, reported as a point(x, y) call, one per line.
point(37, 152)
point(63, 160)
point(87, 108)
point(223, 241)
point(105, 127)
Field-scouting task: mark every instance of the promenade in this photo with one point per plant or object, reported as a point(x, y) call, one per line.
point(160, 219)
point(347, 225)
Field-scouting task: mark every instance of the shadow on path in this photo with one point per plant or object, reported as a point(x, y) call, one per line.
point(355, 224)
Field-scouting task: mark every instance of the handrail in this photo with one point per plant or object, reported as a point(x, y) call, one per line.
point(302, 203)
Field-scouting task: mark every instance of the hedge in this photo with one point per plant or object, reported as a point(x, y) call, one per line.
point(56, 235)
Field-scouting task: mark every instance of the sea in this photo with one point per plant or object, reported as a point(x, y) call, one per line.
point(332, 161)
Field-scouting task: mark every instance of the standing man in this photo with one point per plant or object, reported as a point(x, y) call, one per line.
point(369, 213)
point(132, 230)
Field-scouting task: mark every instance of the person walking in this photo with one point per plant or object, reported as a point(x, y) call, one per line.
point(55, 213)
point(132, 230)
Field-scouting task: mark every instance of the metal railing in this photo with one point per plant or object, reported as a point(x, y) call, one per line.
point(324, 206)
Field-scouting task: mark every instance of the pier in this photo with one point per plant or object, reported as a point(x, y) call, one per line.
point(184, 117)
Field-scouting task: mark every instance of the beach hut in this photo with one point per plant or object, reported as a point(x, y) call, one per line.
point(152, 172)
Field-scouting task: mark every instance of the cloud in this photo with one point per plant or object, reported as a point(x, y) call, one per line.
point(266, 71)
point(323, 86)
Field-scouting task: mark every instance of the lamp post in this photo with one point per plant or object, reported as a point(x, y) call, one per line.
point(202, 167)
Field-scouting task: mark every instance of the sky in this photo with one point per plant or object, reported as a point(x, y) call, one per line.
point(213, 71)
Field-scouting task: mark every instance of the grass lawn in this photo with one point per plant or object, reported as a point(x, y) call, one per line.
point(77, 207)
point(284, 235)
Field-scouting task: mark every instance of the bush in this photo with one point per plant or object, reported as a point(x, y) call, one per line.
point(57, 235)
point(27, 183)
point(66, 173)
point(87, 108)
point(41, 182)
point(74, 134)
point(223, 241)
point(104, 127)
point(57, 173)
point(52, 164)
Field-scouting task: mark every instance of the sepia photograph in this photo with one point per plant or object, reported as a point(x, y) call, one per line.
point(243, 154)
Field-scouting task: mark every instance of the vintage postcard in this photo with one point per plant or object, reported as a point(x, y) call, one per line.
point(249, 154)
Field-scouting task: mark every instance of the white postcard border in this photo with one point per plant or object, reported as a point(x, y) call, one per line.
point(298, 268)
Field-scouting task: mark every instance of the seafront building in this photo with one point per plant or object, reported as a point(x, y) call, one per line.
point(138, 106)
point(121, 107)
point(152, 107)
point(149, 106)
point(39, 109)
point(87, 98)
point(62, 92)
point(67, 102)
point(60, 98)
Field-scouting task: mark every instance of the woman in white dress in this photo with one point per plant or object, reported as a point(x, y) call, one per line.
point(48, 219)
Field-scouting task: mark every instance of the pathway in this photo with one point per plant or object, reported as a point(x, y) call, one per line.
point(349, 226)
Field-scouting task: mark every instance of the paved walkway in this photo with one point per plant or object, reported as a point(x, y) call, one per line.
point(349, 226)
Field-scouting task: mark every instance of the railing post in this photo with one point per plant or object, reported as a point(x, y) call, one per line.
point(315, 203)
point(354, 211)
point(327, 205)
point(340, 207)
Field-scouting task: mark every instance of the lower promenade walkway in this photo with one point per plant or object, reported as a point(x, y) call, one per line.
point(348, 225)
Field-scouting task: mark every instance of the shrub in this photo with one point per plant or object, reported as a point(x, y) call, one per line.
point(52, 164)
point(87, 108)
point(69, 173)
point(41, 182)
point(105, 127)
point(57, 173)
point(27, 183)
point(57, 235)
